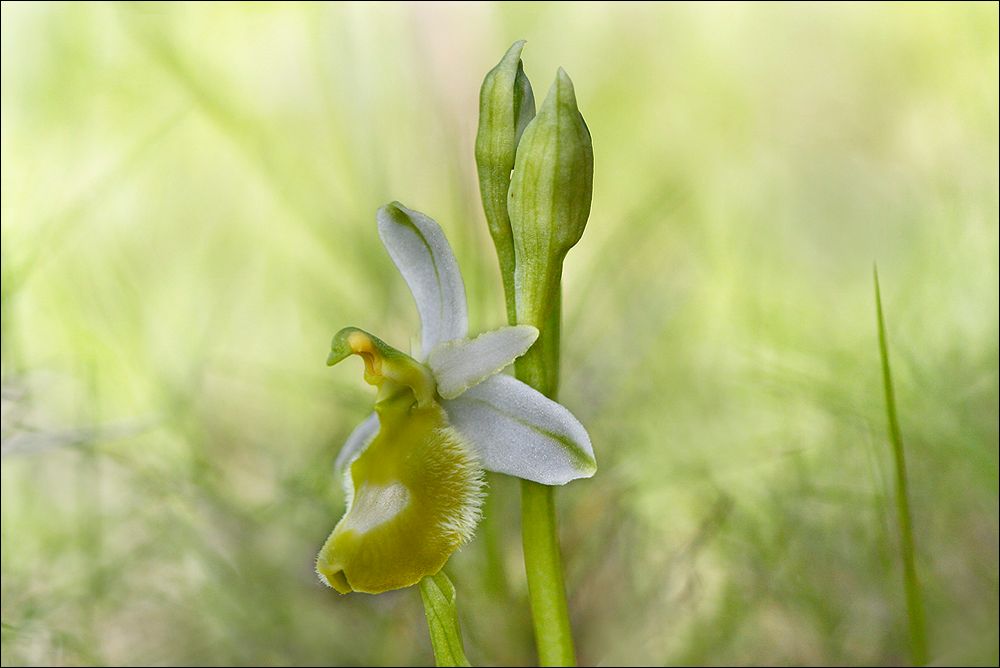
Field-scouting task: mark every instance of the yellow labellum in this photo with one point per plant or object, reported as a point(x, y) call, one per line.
point(413, 495)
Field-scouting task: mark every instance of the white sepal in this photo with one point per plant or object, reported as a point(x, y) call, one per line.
point(519, 431)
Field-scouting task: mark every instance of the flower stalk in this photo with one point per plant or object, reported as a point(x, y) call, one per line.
point(548, 200)
point(438, 594)
point(539, 368)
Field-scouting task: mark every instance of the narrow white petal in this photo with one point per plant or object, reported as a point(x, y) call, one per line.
point(421, 252)
point(357, 441)
point(519, 431)
point(459, 365)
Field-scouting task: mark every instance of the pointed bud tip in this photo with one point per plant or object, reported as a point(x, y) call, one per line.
point(510, 60)
point(561, 93)
point(515, 49)
point(391, 208)
point(513, 54)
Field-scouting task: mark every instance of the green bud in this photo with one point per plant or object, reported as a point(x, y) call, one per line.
point(506, 105)
point(549, 199)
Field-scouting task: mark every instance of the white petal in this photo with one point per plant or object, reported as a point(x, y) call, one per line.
point(519, 431)
point(421, 252)
point(356, 443)
point(459, 365)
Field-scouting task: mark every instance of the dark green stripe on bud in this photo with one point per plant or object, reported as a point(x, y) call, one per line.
point(506, 105)
point(549, 198)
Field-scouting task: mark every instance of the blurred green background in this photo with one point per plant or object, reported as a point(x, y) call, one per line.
point(188, 198)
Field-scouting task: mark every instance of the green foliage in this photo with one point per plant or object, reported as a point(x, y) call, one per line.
point(188, 199)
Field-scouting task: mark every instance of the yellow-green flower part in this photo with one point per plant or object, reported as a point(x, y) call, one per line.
point(415, 491)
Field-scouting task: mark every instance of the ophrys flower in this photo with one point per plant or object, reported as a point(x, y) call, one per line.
point(413, 469)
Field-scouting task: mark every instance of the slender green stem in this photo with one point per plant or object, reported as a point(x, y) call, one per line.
point(438, 595)
point(539, 535)
point(543, 563)
point(542, 560)
point(504, 243)
point(509, 297)
point(914, 603)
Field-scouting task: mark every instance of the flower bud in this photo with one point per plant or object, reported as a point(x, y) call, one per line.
point(549, 198)
point(506, 105)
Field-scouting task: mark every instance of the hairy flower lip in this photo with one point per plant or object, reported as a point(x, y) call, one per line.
point(414, 497)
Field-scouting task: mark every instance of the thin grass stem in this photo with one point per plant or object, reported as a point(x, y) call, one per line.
point(914, 602)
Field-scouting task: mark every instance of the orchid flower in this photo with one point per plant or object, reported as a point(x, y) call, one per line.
point(413, 470)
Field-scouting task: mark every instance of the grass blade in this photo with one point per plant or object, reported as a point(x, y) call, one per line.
point(914, 603)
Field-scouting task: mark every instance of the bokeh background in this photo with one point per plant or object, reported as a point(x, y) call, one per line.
point(188, 197)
